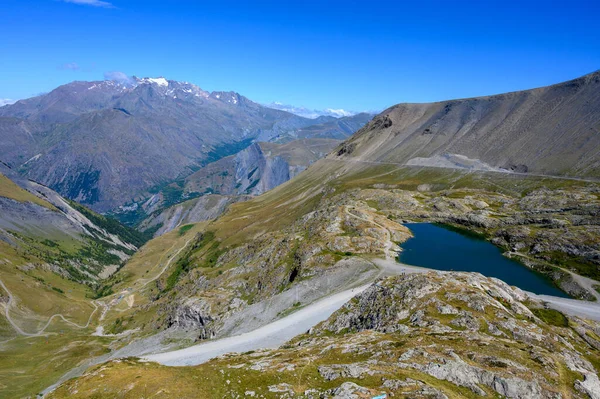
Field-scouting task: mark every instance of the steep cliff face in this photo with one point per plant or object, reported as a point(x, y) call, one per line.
point(259, 168)
point(255, 173)
point(276, 172)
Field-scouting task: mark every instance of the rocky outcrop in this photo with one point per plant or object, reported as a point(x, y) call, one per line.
point(462, 374)
point(335, 371)
point(194, 314)
point(415, 305)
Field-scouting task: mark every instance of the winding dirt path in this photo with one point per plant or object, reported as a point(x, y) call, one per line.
point(164, 269)
point(271, 335)
point(129, 293)
point(41, 331)
point(94, 303)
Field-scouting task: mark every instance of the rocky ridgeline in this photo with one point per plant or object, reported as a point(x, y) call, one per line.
point(429, 335)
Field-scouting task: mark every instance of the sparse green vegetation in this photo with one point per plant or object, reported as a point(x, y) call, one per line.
point(187, 262)
point(184, 229)
point(462, 230)
point(50, 243)
point(552, 317)
point(113, 226)
point(578, 264)
point(226, 149)
point(151, 231)
point(102, 291)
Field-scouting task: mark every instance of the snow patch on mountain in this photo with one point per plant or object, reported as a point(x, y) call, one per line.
point(159, 81)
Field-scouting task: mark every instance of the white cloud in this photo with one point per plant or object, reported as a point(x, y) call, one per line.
point(310, 113)
point(338, 113)
point(300, 111)
point(6, 101)
point(119, 77)
point(93, 3)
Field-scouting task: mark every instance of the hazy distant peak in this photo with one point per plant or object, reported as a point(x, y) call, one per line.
point(310, 113)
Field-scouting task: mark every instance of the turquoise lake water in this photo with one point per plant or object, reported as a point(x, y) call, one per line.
point(437, 247)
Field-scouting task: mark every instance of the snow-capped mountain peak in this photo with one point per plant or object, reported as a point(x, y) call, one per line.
point(160, 81)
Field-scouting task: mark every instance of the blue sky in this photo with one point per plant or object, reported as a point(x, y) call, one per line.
point(364, 55)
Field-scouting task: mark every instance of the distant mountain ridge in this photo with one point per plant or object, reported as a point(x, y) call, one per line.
point(311, 113)
point(553, 130)
point(106, 143)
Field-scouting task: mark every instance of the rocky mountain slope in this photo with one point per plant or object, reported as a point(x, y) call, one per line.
point(54, 256)
point(107, 143)
point(252, 171)
point(204, 208)
point(61, 235)
point(420, 336)
point(553, 130)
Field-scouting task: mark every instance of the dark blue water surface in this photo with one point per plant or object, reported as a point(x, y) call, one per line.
point(437, 247)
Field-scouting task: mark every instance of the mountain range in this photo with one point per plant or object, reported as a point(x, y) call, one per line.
point(280, 240)
point(107, 143)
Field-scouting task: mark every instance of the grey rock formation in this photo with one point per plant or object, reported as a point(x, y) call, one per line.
point(335, 371)
point(193, 314)
point(196, 210)
point(349, 390)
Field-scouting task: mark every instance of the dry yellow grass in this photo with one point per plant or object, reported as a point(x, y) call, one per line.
point(9, 189)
